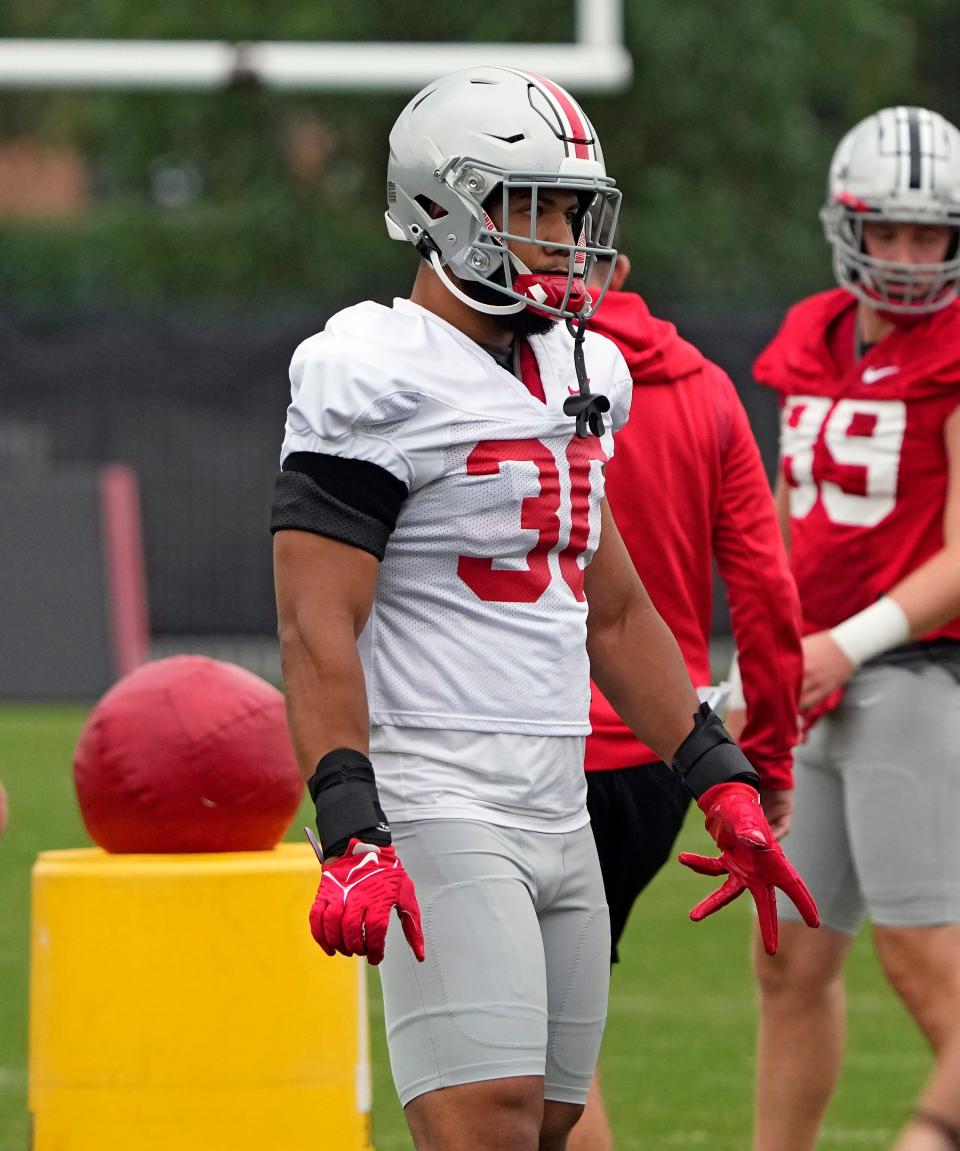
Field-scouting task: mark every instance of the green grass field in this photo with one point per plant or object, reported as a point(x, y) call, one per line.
point(678, 1053)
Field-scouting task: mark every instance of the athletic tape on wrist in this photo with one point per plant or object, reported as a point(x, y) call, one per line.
point(344, 792)
point(709, 756)
point(877, 628)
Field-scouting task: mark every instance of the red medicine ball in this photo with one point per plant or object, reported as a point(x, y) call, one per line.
point(187, 754)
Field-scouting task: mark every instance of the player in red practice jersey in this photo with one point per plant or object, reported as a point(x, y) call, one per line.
point(869, 380)
point(687, 486)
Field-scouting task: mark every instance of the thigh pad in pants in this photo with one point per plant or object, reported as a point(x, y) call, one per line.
point(517, 959)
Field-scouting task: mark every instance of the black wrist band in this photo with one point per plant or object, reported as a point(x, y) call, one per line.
point(944, 1126)
point(344, 792)
point(709, 756)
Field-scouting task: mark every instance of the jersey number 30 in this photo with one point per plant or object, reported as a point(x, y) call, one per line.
point(856, 446)
point(539, 513)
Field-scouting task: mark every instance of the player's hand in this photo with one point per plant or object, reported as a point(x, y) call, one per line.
point(778, 808)
point(825, 668)
point(751, 859)
point(357, 893)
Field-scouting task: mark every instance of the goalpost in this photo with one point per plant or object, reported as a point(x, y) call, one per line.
point(596, 60)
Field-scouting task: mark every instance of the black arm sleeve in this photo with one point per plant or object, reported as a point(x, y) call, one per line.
point(349, 500)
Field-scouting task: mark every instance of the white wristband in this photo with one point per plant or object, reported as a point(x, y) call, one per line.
point(876, 629)
point(735, 701)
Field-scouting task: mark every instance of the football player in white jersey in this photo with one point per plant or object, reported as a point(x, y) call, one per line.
point(440, 531)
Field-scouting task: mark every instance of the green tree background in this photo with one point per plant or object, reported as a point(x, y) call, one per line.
point(721, 146)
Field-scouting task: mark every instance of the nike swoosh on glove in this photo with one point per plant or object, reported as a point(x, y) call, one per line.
point(357, 893)
point(751, 859)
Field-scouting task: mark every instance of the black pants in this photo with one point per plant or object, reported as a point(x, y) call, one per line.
point(637, 813)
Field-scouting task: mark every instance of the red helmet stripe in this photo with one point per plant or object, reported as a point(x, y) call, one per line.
point(581, 134)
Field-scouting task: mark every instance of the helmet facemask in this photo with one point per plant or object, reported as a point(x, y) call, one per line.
point(888, 286)
point(487, 259)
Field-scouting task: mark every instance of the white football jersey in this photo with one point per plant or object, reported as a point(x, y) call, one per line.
point(479, 619)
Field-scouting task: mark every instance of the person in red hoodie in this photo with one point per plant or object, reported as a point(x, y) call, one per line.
point(687, 486)
point(868, 376)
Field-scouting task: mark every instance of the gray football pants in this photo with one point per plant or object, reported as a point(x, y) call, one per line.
point(876, 826)
point(517, 959)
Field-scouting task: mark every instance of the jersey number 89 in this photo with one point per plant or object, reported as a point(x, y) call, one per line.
point(846, 453)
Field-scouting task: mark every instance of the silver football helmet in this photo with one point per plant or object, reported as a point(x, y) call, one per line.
point(489, 131)
point(900, 165)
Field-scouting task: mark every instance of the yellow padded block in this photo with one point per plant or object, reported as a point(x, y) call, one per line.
point(178, 1003)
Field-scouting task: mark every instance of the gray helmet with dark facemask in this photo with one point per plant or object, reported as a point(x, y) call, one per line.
point(487, 132)
point(900, 165)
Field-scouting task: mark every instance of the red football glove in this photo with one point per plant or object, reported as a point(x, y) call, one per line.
point(750, 857)
point(357, 892)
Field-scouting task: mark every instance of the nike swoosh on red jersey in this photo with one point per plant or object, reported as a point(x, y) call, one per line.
point(871, 375)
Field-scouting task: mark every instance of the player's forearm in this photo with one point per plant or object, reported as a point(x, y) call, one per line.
point(636, 663)
point(764, 611)
point(926, 599)
point(930, 596)
point(325, 695)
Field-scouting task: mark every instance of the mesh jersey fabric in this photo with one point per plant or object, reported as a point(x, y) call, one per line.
point(479, 619)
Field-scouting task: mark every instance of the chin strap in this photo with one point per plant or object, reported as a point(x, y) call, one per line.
point(488, 309)
point(586, 408)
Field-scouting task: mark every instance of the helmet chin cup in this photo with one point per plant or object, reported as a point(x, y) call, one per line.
point(559, 293)
point(891, 289)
